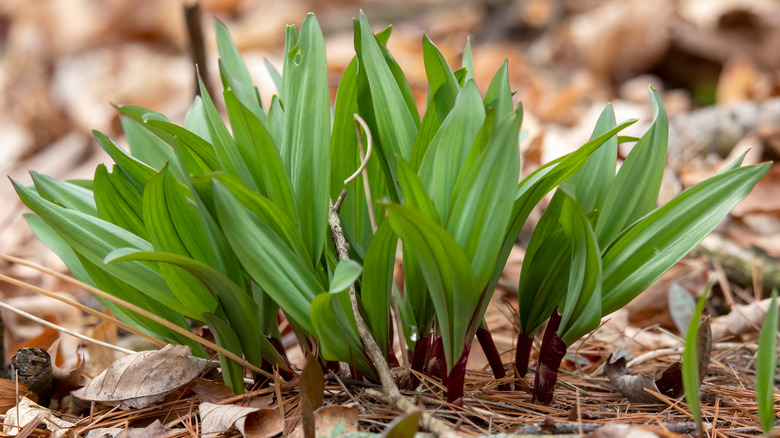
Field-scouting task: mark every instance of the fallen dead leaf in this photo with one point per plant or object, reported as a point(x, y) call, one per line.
point(28, 411)
point(100, 358)
point(668, 383)
point(8, 391)
point(139, 380)
point(209, 391)
point(742, 319)
point(154, 430)
point(251, 422)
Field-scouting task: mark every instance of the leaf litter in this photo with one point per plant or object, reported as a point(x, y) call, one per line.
point(585, 399)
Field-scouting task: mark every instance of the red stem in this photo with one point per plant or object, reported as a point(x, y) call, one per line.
point(523, 354)
point(550, 356)
point(456, 379)
point(418, 359)
point(493, 358)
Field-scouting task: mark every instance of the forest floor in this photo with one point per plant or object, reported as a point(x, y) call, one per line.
point(715, 63)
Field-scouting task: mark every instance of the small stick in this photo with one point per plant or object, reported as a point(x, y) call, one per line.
point(197, 47)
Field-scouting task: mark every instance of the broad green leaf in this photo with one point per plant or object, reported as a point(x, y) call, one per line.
point(59, 246)
point(138, 172)
point(232, 372)
point(345, 274)
point(228, 153)
point(345, 160)
point(690, 364)
point(118, 201)
point(499, 95)
point(174, 227)
point(267, 211)
point(592, 182)
point(334, 326)
point(234, 70)
point(122, 290)
point(150, 149)
point(275, 121)
point(449, 148)
point(377, 283)
point(306, 146)
point(766, 367)
point(261, 155)
point(94, 238)
point(447, 274)
point(240, 309)
point(653, 245)
point(440, 78)
point(200, 148)
point(486, 184)
point(581, 310)
point(266, 258)
point(535, 186)
point(414, 193)
point(634, 191)
point(64, 193)
point(195, 121)
point(396, 127)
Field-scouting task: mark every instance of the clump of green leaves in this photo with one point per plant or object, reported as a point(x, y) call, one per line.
point(227, 224)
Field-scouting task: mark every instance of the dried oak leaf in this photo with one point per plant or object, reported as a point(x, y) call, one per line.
point(142, 379)
point(8, 391)
point(251, 422)
point(28, 411)
point(669, 383)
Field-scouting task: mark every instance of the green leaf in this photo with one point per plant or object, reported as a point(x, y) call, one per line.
point(64, 193)
point(94, 238)
point(634, 191)
point(766, 367)
point(228, 153)
point(447, 274)
point(240, 309)
point(396, 126)
point(199, 148)
point(174, 227)
point(467, 61)
point(232, 372)
point(653, 245)
point(486, 184)
point(581, 310)
point(266, 258)
point(334, 326)
point(306, 145)
point(261, 155)
point(592, 182)
point(147, 147)
point(345, 274)
point(499, 94)
point(449, 148)
point(534, 187)
point(442, 86)
point(235, 72)
point(118, 201)
point(377, 283)
point(414, 193)
point(138, 172)
point(274, 73)
point(690, 364)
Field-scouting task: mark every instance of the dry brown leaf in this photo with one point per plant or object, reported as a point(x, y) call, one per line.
point(668, 383)
point(742, 319)
point(100, 358)
point(8, 391)
point(209, 391)
point(65, 379)
point(331, 421)
point(154, 430)
point(619, 430)
point(139, 380)
point(28, 411)
point(251, 422)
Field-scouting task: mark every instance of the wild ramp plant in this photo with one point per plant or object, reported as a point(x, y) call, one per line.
point(227, 225)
